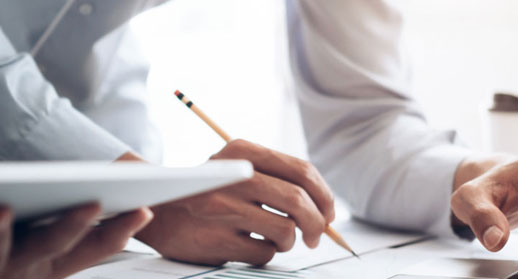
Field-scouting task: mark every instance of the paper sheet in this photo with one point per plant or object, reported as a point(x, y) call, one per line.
point(465, 268)
point(255, 273)
point(361, 237)
point(389, 262)
point(151, 268)
point(381, 264)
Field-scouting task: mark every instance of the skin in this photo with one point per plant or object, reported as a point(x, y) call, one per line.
point(485, 198)
point(67, 245)
point(215, 227)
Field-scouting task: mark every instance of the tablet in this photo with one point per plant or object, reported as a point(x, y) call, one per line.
point(39, 188)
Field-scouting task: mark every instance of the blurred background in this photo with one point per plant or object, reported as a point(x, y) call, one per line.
point(229, 56)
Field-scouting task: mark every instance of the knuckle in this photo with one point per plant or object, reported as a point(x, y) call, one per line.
point(462, 195)
point(216, 204)
point(455, 202)
point(298, 198)
point(237, 145)
point(307, 170)
point(288, 227)
point(481, 210)
point(256, 182)
point(232, 150)
point(264, 257)
point(310, 173)
point(287, 236)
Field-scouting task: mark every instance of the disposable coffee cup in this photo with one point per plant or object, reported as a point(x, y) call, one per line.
point(503, 123)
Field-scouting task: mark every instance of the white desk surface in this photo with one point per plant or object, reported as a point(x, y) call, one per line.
point(382, 263)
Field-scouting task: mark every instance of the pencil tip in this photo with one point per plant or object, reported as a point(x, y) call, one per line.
point(356, 255)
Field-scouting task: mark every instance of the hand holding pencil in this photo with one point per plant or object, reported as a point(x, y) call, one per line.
point(335, 236)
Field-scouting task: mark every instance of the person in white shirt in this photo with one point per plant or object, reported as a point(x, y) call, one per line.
point(371, 141)
point(70, 85)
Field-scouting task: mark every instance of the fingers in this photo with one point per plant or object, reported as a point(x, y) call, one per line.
point(103, 241)
point(5, 236)
point(251, 251)
point(280, 230)
point(475, 208)
point(223, 245)
point(287, 198)
point(56, 239)
point(287, 168)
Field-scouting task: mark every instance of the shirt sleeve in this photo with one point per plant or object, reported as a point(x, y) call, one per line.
point(36, 124)
point(123, 89)
point(364, 131)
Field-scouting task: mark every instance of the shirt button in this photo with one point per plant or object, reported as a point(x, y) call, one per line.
point(86, 9)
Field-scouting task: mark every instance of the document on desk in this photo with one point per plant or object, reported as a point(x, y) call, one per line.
point(363, 239)
point(158, 268)
point(255, 273)
point(465, 268)
point(150, 268)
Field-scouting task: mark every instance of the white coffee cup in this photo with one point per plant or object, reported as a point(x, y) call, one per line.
point(503, 123)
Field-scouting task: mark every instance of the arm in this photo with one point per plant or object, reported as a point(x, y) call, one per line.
point(120, 103)
point(36, 124)
point(371, 142)
point(365, 133)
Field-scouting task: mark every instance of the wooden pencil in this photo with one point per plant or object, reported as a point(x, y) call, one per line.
point(329, 231)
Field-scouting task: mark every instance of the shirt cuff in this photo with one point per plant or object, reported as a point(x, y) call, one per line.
point(66, 134)
point(7, 51)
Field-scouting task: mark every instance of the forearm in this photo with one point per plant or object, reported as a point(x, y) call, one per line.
point(364, 132)
point(36, 124)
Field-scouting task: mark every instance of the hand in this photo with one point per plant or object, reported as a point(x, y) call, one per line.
point(486, 199)
point(215, 227)
point(65, 246)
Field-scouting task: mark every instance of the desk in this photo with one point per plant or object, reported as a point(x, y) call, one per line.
point(389, 262)
point(382, 263)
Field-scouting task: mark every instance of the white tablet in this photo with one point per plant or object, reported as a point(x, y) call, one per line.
point(34, 189)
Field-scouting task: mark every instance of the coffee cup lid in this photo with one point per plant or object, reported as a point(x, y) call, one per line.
point(505, 102)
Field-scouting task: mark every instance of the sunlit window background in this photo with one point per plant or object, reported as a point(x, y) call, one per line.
point(229, 56)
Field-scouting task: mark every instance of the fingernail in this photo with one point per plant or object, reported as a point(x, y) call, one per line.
point(492, 237)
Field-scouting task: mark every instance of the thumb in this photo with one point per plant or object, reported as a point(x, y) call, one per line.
point(491, 227)
point(485, 219)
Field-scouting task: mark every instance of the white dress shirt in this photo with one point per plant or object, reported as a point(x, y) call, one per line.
point(83, 97)
point(364, 131)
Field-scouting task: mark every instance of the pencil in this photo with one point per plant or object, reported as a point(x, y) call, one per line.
point(329, 231)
